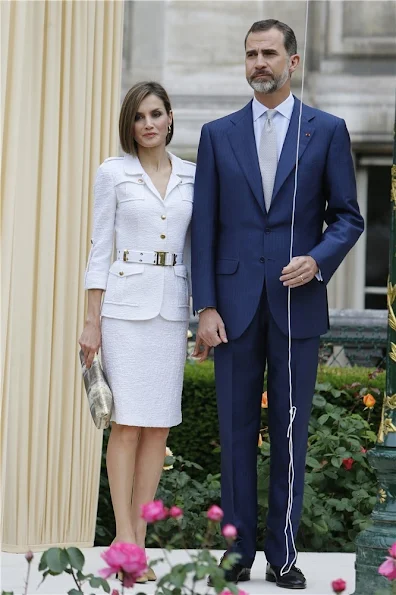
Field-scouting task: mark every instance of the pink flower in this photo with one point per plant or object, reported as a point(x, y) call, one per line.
point(29, 556)
point(229, 531)
point(392, 551)
point(388, 569)
point(227, 592)
point(128, 558)
point(363, 450)
point(215, 513)
point(175, 512)
point(154, 511)
point(339, 585)
point(348, 463)
point(115, 592)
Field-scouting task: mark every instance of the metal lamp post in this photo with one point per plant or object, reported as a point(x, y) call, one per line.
point(373, 543)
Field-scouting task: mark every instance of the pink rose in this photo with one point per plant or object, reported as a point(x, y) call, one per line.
point(392, 551)
point(227, 592)
point(115, 592)
point(229, 531)
point(29, 556)
point(339, 585)
point(128, 558)
point(388, 569)
point(154, 511)
point(215, 513)
point(175, 512)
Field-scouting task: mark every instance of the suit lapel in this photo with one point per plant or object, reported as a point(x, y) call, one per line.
point(244, 146)
point(287, 159)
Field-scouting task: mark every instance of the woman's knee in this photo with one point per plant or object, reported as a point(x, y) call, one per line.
point(157, 434)
point(126, 433)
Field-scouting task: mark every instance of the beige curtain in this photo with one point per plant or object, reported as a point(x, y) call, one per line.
point(60, 68)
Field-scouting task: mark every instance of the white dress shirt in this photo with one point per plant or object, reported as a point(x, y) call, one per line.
point(281, 121)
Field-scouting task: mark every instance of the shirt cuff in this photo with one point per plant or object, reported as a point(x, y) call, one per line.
point(319, 276)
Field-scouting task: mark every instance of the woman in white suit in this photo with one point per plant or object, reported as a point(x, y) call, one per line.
point(143, 205)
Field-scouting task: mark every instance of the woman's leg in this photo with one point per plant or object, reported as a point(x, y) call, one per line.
point(120, 460)
point(148, 468)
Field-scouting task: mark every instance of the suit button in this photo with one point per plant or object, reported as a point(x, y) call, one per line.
point(121, 273)
point(267, 230)
point(262, 259)
point(140, 181)
point(163, 216)
point(163, 236)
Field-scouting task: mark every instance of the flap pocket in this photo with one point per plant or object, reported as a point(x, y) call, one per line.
point(180, 271)
point(226, 266)
point(125, 269)
point(130, 189)
point(187, 189)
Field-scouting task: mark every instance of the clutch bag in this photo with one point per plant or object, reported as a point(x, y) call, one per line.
point(99, 394)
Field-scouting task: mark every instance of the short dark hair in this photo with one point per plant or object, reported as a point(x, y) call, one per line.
point(129, 108)
point(288, 33)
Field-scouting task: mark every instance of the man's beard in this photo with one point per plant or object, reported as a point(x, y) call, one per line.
point(271, 85)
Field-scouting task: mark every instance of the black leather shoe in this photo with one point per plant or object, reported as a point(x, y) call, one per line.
point(236, 574)
point(294, 579)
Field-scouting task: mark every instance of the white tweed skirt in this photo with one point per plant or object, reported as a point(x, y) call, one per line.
point(144, 364)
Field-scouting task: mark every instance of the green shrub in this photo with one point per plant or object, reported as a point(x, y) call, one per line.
point(340, 487)
point(337, 501)
point(197, 437)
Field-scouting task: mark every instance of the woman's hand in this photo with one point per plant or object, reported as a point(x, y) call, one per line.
point(90, 341)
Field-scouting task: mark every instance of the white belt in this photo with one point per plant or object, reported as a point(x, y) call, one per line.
point(158, 258)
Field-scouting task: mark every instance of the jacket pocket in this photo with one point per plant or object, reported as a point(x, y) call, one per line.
point(182, 285)
point(226, 266)
point(187, 190)
point(130, 190)
point(124, 284)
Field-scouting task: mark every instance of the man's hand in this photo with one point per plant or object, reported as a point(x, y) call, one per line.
point(300, 270)
point(211, 332)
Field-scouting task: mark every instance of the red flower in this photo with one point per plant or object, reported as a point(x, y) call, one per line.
point(348, 463)
point(339, 585)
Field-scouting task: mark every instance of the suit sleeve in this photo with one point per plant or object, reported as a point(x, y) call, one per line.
point(204, 225)
point(342, 217)
point(101, 253)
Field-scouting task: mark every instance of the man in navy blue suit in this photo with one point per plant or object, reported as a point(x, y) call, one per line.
point(241, 274)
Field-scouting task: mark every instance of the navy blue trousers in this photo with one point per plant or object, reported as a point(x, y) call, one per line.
point(239, 368)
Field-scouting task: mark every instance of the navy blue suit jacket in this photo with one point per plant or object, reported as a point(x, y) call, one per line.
point(236, 244)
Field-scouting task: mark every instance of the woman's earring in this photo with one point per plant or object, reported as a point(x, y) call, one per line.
point(169, 129)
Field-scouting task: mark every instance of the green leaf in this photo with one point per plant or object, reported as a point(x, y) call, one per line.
point(43, 562)
point(57, 559)
point(74, 592)
point(76, 558)
point(311, 462)
point(319, 401)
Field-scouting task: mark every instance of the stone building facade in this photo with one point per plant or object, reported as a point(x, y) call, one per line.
point(195, 49)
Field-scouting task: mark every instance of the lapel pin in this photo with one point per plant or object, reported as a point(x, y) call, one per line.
point(307, 134)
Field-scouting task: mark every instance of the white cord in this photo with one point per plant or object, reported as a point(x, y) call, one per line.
point(293, 410)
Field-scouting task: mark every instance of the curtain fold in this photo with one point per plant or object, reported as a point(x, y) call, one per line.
point(61, 68)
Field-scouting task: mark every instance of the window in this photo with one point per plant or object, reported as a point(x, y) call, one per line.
point(377, 219)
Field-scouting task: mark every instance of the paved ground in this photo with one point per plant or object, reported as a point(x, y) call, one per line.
point(320, 570)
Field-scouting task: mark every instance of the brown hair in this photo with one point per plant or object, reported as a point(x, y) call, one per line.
point(129, 108)
point(290, 41)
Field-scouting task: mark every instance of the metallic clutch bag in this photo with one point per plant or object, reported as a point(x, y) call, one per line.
point(99, 395)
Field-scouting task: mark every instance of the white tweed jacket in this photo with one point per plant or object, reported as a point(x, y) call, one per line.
point(129, 214)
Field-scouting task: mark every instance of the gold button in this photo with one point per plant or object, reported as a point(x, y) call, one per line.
point(163, 216)
point(140, 181)
point(121, 273)
point(163, 236)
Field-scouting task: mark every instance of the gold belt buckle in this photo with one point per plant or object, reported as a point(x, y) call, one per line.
point(125, 256)
point(161, 258)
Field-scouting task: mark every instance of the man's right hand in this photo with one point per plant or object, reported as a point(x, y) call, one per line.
point(211, 332)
